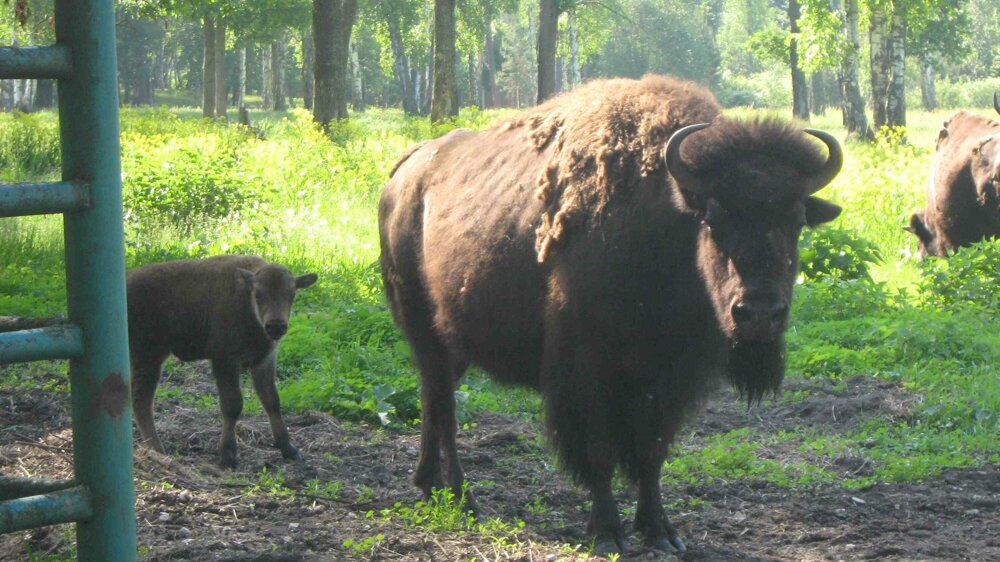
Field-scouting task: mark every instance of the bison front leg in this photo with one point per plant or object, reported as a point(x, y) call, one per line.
point(650, 519)
point(263, 383)
point(227, 379)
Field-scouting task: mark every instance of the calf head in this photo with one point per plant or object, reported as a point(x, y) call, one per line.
point(751, 186)
point(273, 289)
point(928, 242)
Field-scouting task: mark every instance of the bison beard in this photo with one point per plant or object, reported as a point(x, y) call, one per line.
point(640, 271)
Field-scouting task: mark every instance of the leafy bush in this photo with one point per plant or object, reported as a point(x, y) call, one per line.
point(970, 276)
point(966, 93)
point(837, 253)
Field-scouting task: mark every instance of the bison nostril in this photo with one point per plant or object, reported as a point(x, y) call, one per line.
point(754, 312)
point(276, 329)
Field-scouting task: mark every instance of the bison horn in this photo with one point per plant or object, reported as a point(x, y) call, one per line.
point(675, 166)
point(996, 102)
point(833, 163)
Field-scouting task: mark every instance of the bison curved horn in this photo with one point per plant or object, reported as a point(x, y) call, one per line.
point(672, 157)
point(996, 102)
point(833, 163)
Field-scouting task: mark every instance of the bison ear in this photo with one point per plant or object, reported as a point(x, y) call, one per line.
point(819, 211)
point(245, 275)
point(303, 281)
point(919, 228)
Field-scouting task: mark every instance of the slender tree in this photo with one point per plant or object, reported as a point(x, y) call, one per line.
point(444, 98)
point(219, 54)
point(853, 107)
point(800, 89)
point(333, 21)
point(548, 30)
point(208, 68)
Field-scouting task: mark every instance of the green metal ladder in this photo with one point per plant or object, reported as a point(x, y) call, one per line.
point(100, 498)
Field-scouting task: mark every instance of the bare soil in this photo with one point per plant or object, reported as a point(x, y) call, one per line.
point(189, 509)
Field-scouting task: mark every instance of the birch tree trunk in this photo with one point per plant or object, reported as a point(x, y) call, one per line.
point(358, 87)
point(308, 62)
point(267, 82)
point(278, 73)
point(241, 88)
point(800, 88)
point(855, 119)
point(896, 98)
point(219, 53)
point(574, 52)
point(208, 69)
point(879, 69)
point(489, 64)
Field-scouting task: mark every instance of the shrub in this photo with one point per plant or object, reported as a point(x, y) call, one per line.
point(970, 276)
point(29, 146)
point(837, 253)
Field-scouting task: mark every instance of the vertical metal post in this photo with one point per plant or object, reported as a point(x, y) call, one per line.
point(95, 280)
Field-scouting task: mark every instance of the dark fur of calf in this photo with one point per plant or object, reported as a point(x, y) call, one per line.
point(231, 310)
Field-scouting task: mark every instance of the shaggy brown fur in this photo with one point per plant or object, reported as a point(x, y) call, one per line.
point(963, 194)
point(229, 309)
point(556, 252)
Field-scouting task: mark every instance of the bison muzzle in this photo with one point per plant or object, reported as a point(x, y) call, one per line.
point(574, 250)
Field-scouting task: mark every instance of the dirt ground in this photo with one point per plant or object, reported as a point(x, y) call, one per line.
point(189, 509)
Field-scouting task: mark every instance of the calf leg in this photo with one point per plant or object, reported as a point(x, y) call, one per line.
point(227, 378)
point(263, 383)
point(145, 378)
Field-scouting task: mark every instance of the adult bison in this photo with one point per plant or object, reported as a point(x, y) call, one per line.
point(574, 250)
point(963, 194)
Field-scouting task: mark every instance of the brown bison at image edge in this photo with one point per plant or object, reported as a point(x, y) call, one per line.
point(574, 250)
point(232, 310)
point(963, 193)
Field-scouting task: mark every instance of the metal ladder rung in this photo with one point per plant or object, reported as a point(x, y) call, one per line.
point(63, 506)
point(62, 341)
point(13, 487)
point(51, 61)
point(19, 199)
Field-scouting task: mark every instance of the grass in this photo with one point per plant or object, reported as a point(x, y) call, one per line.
point(199, 187)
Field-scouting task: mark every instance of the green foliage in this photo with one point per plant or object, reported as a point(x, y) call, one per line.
point(30, 146)
point(838, 253)
point(967, 93)
point(442, 512)
point(969, 277)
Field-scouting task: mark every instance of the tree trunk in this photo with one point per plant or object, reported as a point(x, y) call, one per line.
point(401, 66)
point(548, 29)
point(800, 89)
point(896, 98)
point(474, 94)
point(266, 81)
point(358, 87)
point(444, 102)
point(879, 49)
point(333, 21)
point(240, 97)
point(44, 95)
point(208, 69)
point(308, 62)
point(855, 119)
point(220, 69)
point(489, 64)
point(928, 95)
point(574, 52)
point(278, 73)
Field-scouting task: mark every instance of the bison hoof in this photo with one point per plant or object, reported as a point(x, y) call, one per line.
point(605, 547)
point(667, 544)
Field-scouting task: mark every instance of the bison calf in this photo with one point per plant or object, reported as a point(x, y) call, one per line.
point(232, 310)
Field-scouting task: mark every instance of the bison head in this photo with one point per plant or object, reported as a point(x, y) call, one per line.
point(751, 186)
point(273, 290)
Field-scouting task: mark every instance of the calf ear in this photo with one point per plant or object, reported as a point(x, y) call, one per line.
point(303, 281)
point(819, 211)
point(245, 275)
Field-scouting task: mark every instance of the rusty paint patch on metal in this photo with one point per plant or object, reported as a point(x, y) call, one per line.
point(113, 395)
